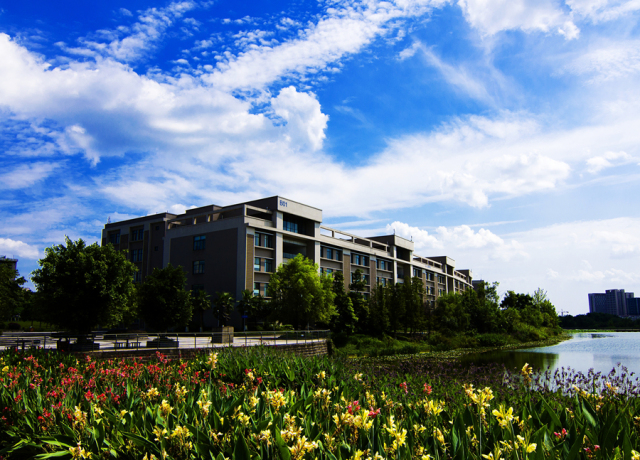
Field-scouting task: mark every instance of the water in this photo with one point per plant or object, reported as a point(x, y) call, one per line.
point(600, 351)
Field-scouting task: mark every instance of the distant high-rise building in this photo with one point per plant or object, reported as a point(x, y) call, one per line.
point(598, 303)
point(615, 302)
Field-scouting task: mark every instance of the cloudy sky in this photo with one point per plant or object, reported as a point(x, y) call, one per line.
point(502, 133)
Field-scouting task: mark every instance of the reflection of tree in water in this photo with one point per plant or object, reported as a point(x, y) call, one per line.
point(514, 359)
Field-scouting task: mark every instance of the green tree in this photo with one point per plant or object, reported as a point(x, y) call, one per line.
point(222, 307)
point(255, 307)
point(482, 310)
point(546, 308)
point(346, 319)
point(379, 310)
point(414, 292)
point(13, 297)
point(164, 301)
point(397, 308)
point(450, 313)
point(360, 305)
point(299, 295)
point(83, 286)
point(201, 301)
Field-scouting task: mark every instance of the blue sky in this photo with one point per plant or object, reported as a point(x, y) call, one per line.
point(503, 134)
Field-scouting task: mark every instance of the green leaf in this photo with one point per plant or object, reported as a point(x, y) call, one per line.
point(282, 447)
point(241, 450)
point(140, 441)
point(61, 453)
point(577, 445)
point(552, 414)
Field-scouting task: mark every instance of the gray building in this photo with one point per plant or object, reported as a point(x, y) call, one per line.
point(614, 302)
point(238, 247)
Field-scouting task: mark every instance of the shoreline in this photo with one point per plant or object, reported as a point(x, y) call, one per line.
point(459, 352)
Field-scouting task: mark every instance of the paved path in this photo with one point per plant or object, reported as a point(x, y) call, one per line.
point(34, 340)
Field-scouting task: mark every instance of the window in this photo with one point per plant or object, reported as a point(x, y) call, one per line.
point(197, 288)
point(355, 259)
point(198, 267)
point(256, 264)
point(329, 253)
point(256, 288)
point(265, 286)
point(290, 226)
point(137, 276)
point(440, 279)
point(136, 255)
point(199, 242)
point(400, 273)
point(264, 240)
point(268, 265)
point(417, 272)
point(137, 234)
point(114, 238)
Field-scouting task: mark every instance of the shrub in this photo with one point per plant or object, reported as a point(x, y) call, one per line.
point(13, 326)
point(492, 340)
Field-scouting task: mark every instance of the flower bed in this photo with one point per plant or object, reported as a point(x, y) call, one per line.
point(259, 403)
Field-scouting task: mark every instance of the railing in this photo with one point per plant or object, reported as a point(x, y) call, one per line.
point(104, 341)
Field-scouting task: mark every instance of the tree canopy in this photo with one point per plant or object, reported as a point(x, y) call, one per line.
point(13, 297)
point(83, 286)
point(300, 295)
point(164, 302)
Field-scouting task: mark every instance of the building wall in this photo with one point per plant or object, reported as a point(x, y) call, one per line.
point(231, 251)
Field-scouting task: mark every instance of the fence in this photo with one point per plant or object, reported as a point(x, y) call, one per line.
point(98, 341)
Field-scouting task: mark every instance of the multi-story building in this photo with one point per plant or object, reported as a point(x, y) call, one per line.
point(12, 263)
point(615, 302)
point(238, 247)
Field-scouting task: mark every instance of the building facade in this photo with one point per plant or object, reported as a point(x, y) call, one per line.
point(238, 247)
point(614, 302)
point(9, 262)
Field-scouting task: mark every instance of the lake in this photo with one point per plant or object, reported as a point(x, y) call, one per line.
point(601, 351)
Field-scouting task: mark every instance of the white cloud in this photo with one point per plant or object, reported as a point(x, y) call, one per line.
point(597, 164)
point(493, 16)
point(26, 175)
point(306, 122)
point(17, 248)
point(450, 240)
point(458, 77)
point(342, 32)
point(603, 10)
point(607, 61)
point(149, 29)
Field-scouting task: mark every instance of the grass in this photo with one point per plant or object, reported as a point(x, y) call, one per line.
point(360, 345)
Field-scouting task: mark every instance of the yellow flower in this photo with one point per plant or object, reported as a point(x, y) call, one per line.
point(531, 448)
point(635, 455)
point(160, 433)
point(79, 452)
point(213, 360)
point(438, 435)
point(321, 375)
point(151, 393)
point(5, 369)
point(504, 417)
point(165, 408)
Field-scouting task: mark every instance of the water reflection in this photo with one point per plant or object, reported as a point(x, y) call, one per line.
point(514, 359)
point(600, 351)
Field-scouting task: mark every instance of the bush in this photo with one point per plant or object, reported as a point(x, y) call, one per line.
point(340, 339)
point(492, 340)
point(13, 326)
